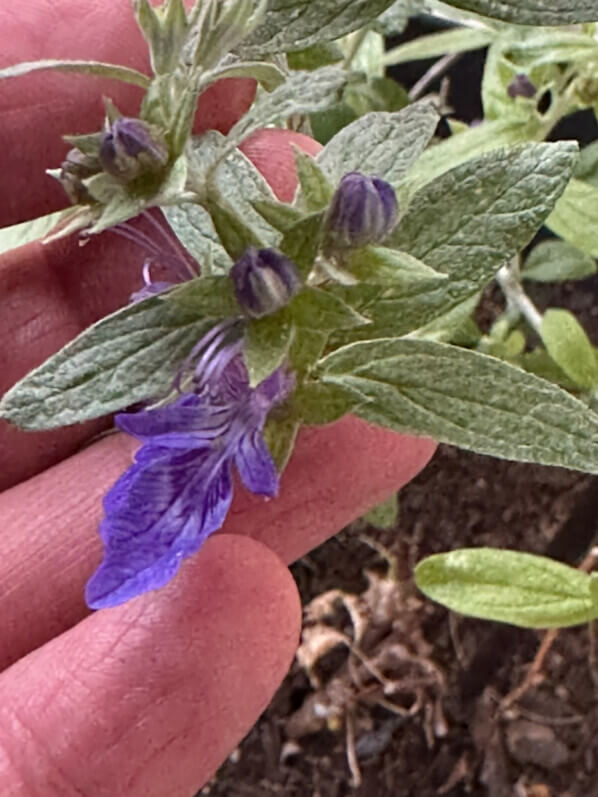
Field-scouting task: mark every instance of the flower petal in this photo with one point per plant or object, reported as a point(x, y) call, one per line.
point(255, 464)
point(159, 512)
point(189, 422)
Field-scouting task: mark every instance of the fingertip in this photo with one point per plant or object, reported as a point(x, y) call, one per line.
point(271, 152)
point(156, 693)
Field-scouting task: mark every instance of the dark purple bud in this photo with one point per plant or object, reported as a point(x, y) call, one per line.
point(131, 147)
point(265, 281)
point(521, 86)
point(74, 169)
point(364, 210)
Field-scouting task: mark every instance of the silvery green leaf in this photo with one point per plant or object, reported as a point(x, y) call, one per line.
point(555, 261)
point(458, 149)
point(303, 92)
point(267, 75)
point(306, 349)
point(126, 357)
point(322, 54)
point(586, 168)
point(20, 234)
point(383, 144)
point(110, 71)
point(374, 94)
point(455, 326)
point(319, 310)
point(317, 404)
point(467, 399)
point(314, 190)
point(193, 226)
point(279, 215)
point(394, 20)
point(234, 234)
point(540, 363)
point(267, 342)
point(537, 47)
point(575, 216)
point(379, 265)
point(280, 434)
point(568, 345)
point(509, 586)
point(369, 57)
point(532, 12)
point(294, 24)
point(301, 242)
point(469, 221)
point(456, 40)
point(165, 29)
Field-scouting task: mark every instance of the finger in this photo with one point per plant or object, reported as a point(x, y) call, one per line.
point(147, 699)
point(51, 293)
point(49, 544)
point(38, 109)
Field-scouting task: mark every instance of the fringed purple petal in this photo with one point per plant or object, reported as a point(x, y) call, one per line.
point(256, 467)
point(158, 513)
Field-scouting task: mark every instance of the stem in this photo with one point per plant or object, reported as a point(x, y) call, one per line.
point(434, 72)
point(518, 299)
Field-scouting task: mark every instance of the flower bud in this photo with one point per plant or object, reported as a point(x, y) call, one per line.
point(521, 86)
point(364, 210)
point(265, 281)
point(73, 170)
point(130, 148)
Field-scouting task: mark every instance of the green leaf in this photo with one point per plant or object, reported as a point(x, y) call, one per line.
point(533, 12)
point(465, 146)
point(321, 54)
point(279, 215)
point(326, 124)
point(383, 515)
point(586, 168)
point(20, 234)
point(467, 399)
point(394, 20)
point(193, 226)
point(234, 234)
point(317, 404)
point(575, 216)
point(384, 144)
point(472, 219)
point(540, 363)
point(268, 75)
point(456, 40)
point(267, 342)
point(302, 93)
point(375, 94)
point(555, 261)
point(319, 310)
point(511, 587)
point(314, 191)
point(165, 30)
point(127, 357)
point(301, 242)
point(569, 346)
point(97, 68)
point(280, 434)
point(306, 349)
point(379, 265)
point(295, 24)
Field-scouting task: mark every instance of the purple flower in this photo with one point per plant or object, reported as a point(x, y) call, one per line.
point(265, 281)
point(364, 210)
point(179, 489)
point(521, 86)
point(132, 147)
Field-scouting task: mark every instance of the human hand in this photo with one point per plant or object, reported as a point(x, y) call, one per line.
point(147, 698)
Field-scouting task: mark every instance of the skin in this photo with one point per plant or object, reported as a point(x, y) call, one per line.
point(150, 697)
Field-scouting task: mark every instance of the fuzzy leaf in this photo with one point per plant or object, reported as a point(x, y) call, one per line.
point(555, 261)
point(97, 68)
point(568, 345)
point(27, 231)
point(319, 310)
point(296, 24)
point(456, 40)
point(533, 12)
point(267, 342)
point(383, 515)
point(575, 216)
point(467, 399)
point(314, 191)
point(280, 434)
point(301, 242)
point(511, 587)
point(129, 356)
point(317, 404)
point(380, 143)
point(302, 93)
